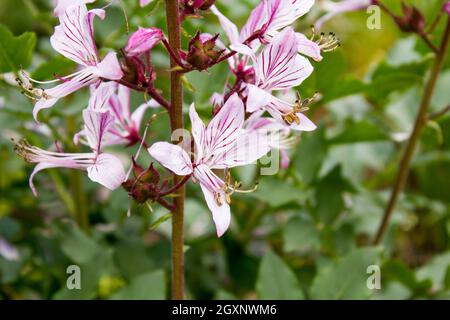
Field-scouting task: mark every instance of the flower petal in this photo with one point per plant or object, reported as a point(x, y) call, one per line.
point(96, 125)
point(143, 40)
point(221, 214)
point(198, 131)
point(84, 78)
point(212, 188)
point(224, 128)
point(108, 171)
point(279, 66)
point(73, 37)
point(171, 157)
point(110, 68)
point(246, 150)
point(62, 5)
point(307, 47)
point(228, 26)
point(305, 124)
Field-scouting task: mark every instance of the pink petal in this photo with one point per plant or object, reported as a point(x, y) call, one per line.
point(110, 68)
point(108, 171)
point(307, 47)
point(62, 5)
point(247, 149)
point(212, 187)
point(143, 40)
point(96, 125)
point(138, 114)
point(228, 26)
point(143, 3)
point(85, 78)
point(171, 157)
point(224, 128)
point(73, 38)
point(305, 124)
point(258, 98)
point(221, 214)
point(284, 159)
point(279, 66)
point(101, 95)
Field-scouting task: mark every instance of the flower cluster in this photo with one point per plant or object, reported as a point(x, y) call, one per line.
point(249, 118)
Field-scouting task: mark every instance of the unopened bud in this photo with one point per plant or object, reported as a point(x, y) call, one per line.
point(412, 19)
point(142, 41)
point(202, 52)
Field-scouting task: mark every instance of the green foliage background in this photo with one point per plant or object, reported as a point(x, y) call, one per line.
point(303, 234)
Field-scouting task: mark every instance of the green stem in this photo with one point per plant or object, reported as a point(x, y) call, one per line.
point(176, 122)
point(421, 121)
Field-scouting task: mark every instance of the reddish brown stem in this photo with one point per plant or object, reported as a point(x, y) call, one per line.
point(176, 122)
point(151, 91)
point(421, 121)
point(176, 186)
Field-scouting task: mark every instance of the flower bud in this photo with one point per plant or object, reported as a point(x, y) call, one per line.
point(201, 52)
point(190, 7)
point(144, 186)
point(142, 41)
point(412, 19)
point(446, 7)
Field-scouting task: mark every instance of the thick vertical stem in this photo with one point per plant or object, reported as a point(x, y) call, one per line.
point(176, 122)
point(421, 121)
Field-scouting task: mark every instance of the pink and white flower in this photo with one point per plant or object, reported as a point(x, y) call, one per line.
point(143, 40)
point(222, 144)
point(276, 132)
point(115, 98)
point(334, 8)
point(279, 67)
point(103, 168)
point(265, 21)
point(73, 38)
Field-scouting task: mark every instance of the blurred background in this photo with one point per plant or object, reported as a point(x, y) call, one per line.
point(303, 234)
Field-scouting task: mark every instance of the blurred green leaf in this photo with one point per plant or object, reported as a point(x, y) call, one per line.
point(310, 154)
point(77, 245)
point(276, 280)
point(329, 195)
point(300, 234)
point(436, 271)
point(148, 286)
point(346, 278)
point(277, 193)
point(15, 52)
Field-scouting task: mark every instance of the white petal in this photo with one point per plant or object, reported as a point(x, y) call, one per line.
point(171, 157)
point(305, 124)
point(221, 214)
point(224, 128)
point(247, 149)
point(229, 27)
point(96, 125)
point(108, 171)
point(110, 68)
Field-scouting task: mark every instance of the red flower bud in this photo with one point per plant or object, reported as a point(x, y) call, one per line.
point(412, 19)
point(201, 52)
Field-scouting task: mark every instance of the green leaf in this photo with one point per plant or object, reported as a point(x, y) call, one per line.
point(300, 234)
point(15, 51)
point(276, 280)
point(346, 278)
point(148, 286)
point(277, 193)
point(311, 153)
point(360, 131)
point(436, 270)
point(329, 195)
point(160, 220)
point(77, 245)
